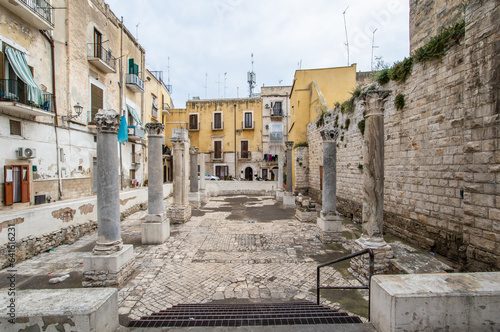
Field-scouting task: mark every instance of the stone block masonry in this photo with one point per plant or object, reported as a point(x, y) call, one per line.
point(441, 150)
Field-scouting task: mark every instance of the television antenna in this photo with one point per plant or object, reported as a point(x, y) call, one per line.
point(373, 46)
point(251, 79)
point(346, 37)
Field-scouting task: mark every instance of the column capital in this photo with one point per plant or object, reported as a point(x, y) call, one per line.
point(155, 128)
point(107, 121)
point(193, 150)
point(374, 101)
point(330, 135)
point(289, 145)
point(176, 140)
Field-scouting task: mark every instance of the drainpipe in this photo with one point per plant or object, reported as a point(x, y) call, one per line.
point(56, 120)
point(235, 154)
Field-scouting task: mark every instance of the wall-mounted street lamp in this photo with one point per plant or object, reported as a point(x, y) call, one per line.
point(78, 109)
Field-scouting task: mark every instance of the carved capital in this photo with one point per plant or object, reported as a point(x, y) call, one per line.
point(330, 135)
point(193, 150)
point(374, 102)
point(107, 121)
point(155, 128)
point(289, 145)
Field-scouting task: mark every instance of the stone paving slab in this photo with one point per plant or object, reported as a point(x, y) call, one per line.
point(234, 248)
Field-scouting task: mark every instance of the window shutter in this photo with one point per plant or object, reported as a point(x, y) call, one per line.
point(2, 66)
point(131, 65)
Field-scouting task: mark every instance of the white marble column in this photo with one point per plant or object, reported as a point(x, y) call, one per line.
point(203, 191)
point(194, 193)
point(111, 262)
point(373, 188)
point(329, 222)
point(155, 230)
point(281, 163)
point(180, 212)
point(289, 198)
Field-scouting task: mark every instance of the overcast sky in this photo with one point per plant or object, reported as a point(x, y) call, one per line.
point(213, 37)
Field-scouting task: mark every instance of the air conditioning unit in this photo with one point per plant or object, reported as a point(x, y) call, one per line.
point(26, 153)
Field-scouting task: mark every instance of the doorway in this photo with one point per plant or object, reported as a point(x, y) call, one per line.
point(249, 174)
point(16, 184)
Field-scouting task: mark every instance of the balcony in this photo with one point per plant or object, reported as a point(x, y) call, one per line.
point(216, 156)
point(101, 58)
point(136, 134)
point(194, 126)
point(277, 113)
point(248, 125)
point(16, 97)
point(246, 155)
point(135, 166)
point(134, 83)
point(218, 126)
point(38, 13)
point(166, 108)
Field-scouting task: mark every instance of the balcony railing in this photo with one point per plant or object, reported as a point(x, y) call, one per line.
point(218, 126)
point(245, 155)
point(277, 112)
point(216, 156)
point(101, 58)
point(16, 91)
point(194, 126)
point(38, 13)
point(135, 83)
point(136, 133)
point(248, 124)
point(165, 107)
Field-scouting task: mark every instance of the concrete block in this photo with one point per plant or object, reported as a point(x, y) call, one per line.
point(435, 302)
point(94, 310)
point(155, 232)
point(289, 200)
point(329, 222)
point(155, 217)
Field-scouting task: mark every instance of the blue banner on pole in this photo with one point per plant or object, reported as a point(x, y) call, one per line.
point(123, 130)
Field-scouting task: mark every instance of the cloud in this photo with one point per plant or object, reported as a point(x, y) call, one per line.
point(217, 36)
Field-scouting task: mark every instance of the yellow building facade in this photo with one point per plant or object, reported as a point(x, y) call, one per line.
point(315, 91)
point(227, 131)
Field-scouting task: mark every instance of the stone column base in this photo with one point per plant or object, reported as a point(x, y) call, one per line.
point(179, 214)
point(289, 200)
point(155, 232)
point(360, 266)
point(108, 270)
point(279, 195)
point(204, 196)
point(329, 227)
point(194, 199)
point(306, 214)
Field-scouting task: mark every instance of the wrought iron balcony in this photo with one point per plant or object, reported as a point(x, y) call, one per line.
point(16, 98)
point(248, 125)
point(135, 133)
point(194, 126)
point(218, 126)
point(135, 83)
point(277, 112)
point(101, 58)
point(38, 13)
point(245, 155)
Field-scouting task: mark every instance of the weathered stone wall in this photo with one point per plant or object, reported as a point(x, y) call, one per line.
point(441, 151)
point(301, 169)
point(427, 17)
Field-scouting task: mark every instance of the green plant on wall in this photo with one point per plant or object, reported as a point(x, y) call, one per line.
point(401, 70)
point(438, 45)
point(383, 77)
point(361, 126)
point(399, 101)
point(347, 123)
point(301, 144)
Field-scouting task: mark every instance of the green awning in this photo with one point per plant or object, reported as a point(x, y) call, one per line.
point(136, 117)
point(20, 66)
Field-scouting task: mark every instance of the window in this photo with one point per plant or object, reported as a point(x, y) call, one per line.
point(96, 101)
point(222, 172)
point(217, 149)
point(15, 127)
point(193, 122)
point(277, 110)
point(154, 106)
point(97, 43)
point(217, 121)
point(264, 173)
point(244, 150)
point(248, 124)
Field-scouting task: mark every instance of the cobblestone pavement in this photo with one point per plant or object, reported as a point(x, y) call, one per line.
point(234, 248)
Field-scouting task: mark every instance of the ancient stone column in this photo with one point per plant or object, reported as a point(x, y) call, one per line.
point(329, 222)
point(281, 163)
point(203, 191)
point(373, 187)
point(155, 230)
point(194, 194)
point(289, 199)
point(180, 212)
point(111, 261)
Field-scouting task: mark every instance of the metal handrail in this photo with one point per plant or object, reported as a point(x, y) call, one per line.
point(368, 251)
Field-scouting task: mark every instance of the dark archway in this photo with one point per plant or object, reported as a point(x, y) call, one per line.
point(249, 174)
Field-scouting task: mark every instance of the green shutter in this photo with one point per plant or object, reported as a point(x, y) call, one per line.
point(131, 66)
